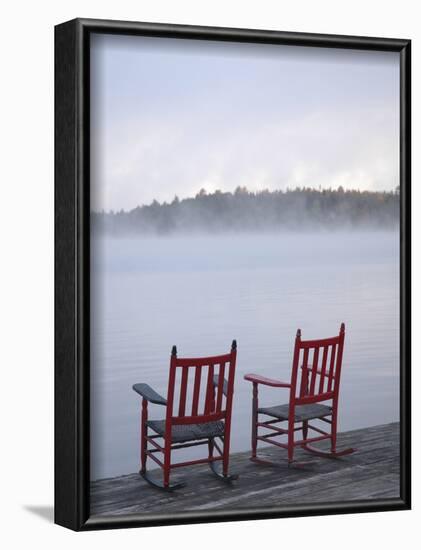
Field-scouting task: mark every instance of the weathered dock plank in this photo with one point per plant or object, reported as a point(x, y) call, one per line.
point(371, 472)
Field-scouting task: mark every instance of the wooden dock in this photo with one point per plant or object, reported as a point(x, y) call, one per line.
point(372, 472)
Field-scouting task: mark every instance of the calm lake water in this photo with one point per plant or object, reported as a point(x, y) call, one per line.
point(200, 292)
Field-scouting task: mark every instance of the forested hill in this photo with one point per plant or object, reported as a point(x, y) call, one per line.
point(298, 209)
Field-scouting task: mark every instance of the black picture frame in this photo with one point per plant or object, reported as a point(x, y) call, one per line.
point(72, 268)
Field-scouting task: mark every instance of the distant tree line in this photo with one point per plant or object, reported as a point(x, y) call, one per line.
point(243, 210)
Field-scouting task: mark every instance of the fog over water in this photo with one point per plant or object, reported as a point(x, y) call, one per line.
point(202, 291)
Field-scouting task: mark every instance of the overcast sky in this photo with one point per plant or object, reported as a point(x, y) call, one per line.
point(170, 116)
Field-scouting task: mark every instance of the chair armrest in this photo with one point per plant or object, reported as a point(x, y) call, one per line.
point(257, 379)
point(149, 394)
point(225, 385)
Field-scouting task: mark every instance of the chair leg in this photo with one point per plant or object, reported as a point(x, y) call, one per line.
point(333, 432)
point(210, 449)
point(167, 463)
point(226, 455)
point(305, 429)
point(254, 420)
point(223, 475)
point(144, 432)
point(290, 441)
point(165, 485)
point(254, 430)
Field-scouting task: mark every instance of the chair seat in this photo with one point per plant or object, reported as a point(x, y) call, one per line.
point(302, 412)
point(189, 432)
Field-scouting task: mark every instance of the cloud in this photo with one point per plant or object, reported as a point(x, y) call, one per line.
point(313, 123)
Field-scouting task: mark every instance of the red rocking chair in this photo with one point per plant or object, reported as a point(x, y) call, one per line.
point(319, 362)
point(209, 416)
